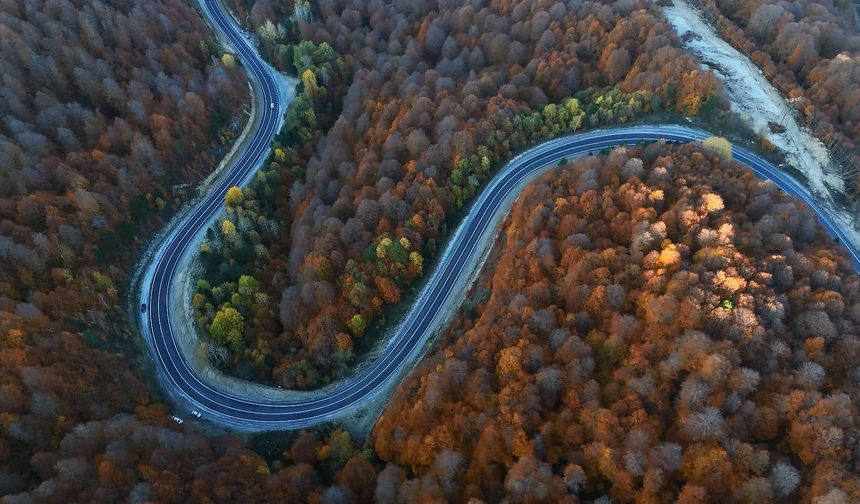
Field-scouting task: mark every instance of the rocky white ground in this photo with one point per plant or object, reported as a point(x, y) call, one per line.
point(758, 102)
point(754, 98)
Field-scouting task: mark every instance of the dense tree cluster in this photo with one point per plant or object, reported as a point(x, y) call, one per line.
point(661, 324)
point(243, 251)
point(440, 95)
point(145, 458)
point(255, 13)
point(813, 48)
point(656, 325)
point(107, 108)
point(275, 24)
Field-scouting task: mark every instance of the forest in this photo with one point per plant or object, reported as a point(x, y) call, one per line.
point(340, 226)
point(594, 361)
point(109, 111)
point(654, 325)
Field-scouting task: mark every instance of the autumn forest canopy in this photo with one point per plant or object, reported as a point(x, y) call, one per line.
point(654, 324)
point(366, 180)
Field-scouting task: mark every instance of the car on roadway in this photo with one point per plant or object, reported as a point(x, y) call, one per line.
point(196, 413)
point(143, 308)
point(176, 419)
point(271, 105)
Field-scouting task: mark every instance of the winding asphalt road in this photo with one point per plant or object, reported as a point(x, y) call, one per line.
point(444, 288)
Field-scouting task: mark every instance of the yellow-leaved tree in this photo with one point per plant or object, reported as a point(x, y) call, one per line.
point(234, 197)
point(228, 61)
point(227, 326)
point(718, 145)
point(309, 82)
point(228, 229)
